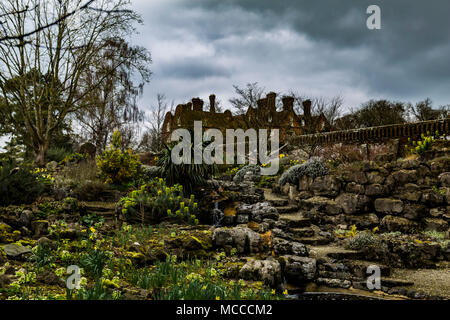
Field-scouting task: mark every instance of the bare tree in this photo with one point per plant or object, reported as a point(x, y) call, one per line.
point(113, 104)
point(55, 42)
point(330, 108)
point(152, 138)
point(246, 97)
point(423, 111)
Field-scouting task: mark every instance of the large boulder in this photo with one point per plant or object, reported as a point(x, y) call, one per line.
point(40, 228)
point(268, 271)
point(258, 211)
point(353, 203)
point(388, 206)
point(282, 247)
point(243, 239)
point(320, 204)
point(326, 186)
point(299, 270)
point(13, 250)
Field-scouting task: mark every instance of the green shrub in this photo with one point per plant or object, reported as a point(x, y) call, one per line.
point(266, 182)
point(57, 154)
point(73, 158)
point(423, 144)
point(361, 241)
point(313, 168)
point(155, 201)
point(253, 168)
point(116, 166)
point(188, 175)
point(19, 186)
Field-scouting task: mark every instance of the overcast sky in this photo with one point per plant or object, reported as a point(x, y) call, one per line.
point(315, 47)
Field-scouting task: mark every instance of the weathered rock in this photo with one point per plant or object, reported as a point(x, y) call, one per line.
point(388, 206)
point(353, 187)
point(352, 203)
point(363, 221)
point(25, 218)
point(374, 190)
point(334, 283)
point(358, 177)
point(258, 211)
point(444, 179)
point(404, 176)
point(435, 224)
point(414, 211)
point(326, 186)
point(375, 178)
point(392, 224)
point(321, 204)
point(243, 239)
point(299, 270)
point(305, 183)
point(432, 198)
point(268, 271)
point(13, 250)
point(410, 192)
point(282, 247)
point(40, 228)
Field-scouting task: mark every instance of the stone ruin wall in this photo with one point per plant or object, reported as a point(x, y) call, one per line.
point(265, 115)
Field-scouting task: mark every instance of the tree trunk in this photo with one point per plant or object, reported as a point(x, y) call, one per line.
point(40, 154)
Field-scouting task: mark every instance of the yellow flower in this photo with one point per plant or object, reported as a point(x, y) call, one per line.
point(217, 298)
point(92, 229)
point(273, 291)
point(285, 292)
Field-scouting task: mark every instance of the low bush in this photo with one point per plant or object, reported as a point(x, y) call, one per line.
point(361, 240)
point(155, 202)
point(92, 191)
point(188, 175)
point(19, 186)
point(313, 168)
point(117, 166)
point(253, 168)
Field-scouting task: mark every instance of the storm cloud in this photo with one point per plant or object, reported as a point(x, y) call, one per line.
point(318, 48)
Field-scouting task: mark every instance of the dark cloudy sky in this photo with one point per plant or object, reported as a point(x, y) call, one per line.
point(315, 47)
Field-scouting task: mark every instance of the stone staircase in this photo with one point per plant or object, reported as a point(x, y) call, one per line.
point(293, 224)
point(106, 210)
point(336, 265)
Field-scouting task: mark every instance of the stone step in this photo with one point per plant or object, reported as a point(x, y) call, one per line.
point(278, 202)
point(287, 209)
point(100, 206)
point(302, 232)
point(295, 220)
point(313, 241)
point(359, 268)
